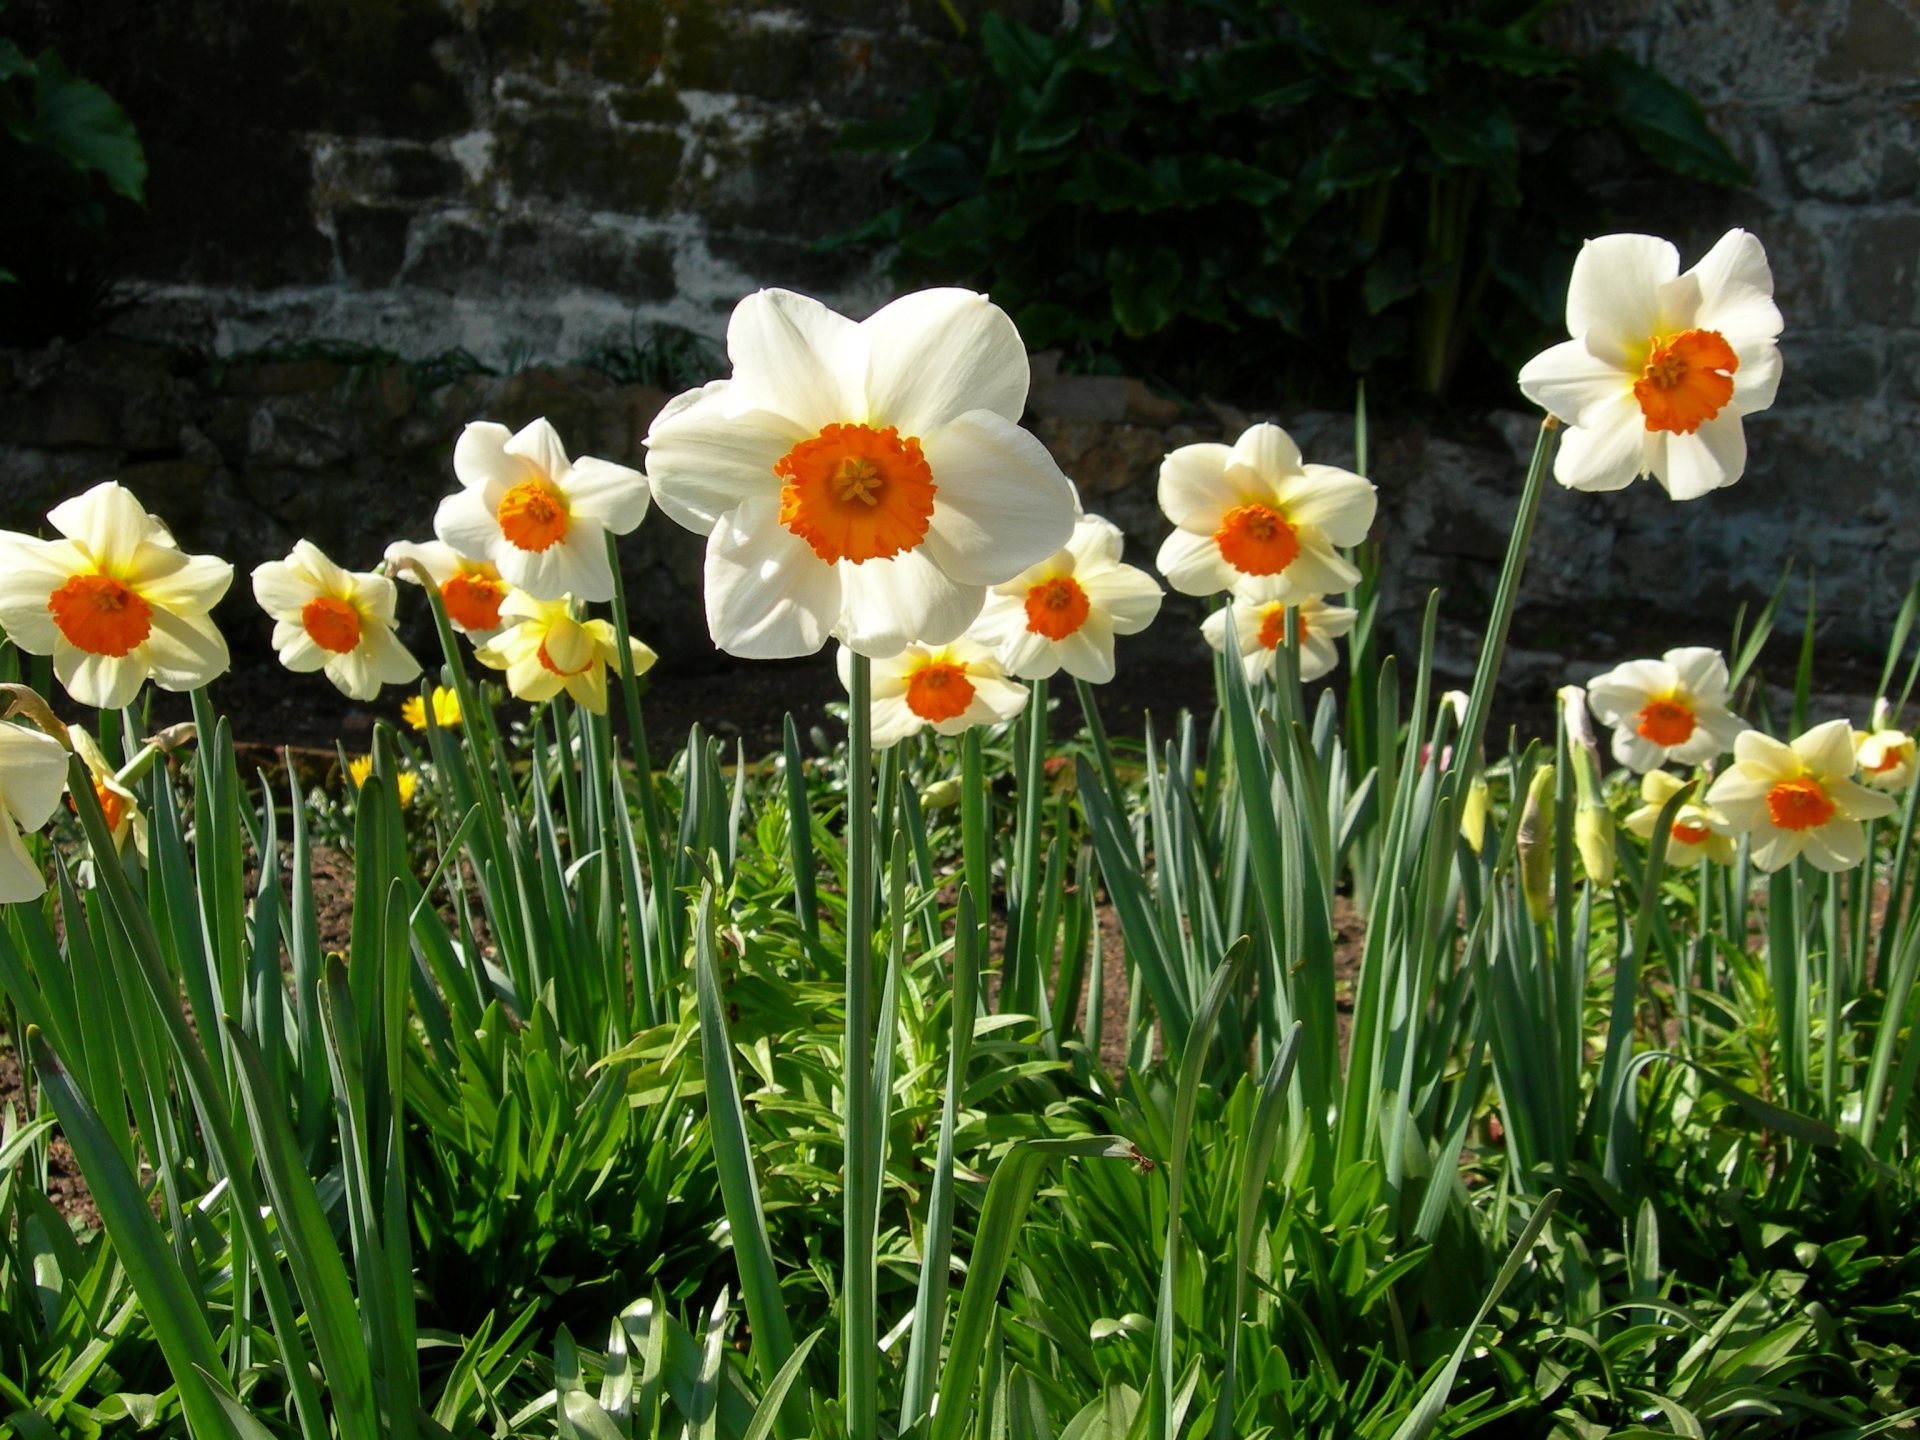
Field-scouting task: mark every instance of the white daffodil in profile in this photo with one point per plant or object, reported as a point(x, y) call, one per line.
point(470, 590)
point(545, 650)
point(862, 481)
point(1254, 518)
point(1696, 832)
point(1887, 758)
point(950, 687)
point(33, 773)
point(124, 817)
point(1260, 627)
point(1673, 709)
point(1063, 613)
point(334, 620)
point(1799, 798)
point(114, 602)
point(1661, 366)
point(540, 518)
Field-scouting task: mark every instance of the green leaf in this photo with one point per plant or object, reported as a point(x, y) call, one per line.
point(1665, 121)
point(83, 124)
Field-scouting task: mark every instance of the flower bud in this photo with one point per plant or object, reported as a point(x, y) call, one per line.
point(1593, 837)
point(1536, 844)
point(1473, 813)
point(941, 794)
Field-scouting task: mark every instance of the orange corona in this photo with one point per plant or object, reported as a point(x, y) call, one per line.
point(1666, 722)
point(1257, 540)
point(532, 516)
point(1689, 832)
point(100, 615)
point(1056, 608)
point(1273, 627)
point(331, 624)
point(1688, 378)
point(1801, 804)
point(855, 493)
point(939, 690)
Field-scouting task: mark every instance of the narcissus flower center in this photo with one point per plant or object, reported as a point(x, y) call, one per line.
point(331, 624)
point(1890, 759)
point(939, 690)
point(1690, 832)
point(549, 664)
point(1057, 607)
point(1799, 804)
point(1257, 540)
point(113, 809)
point(1667, 722)
point(100, 615)
point(855, 493)
point(1687, 379)
point(473, 601)
point(1273, 628)
point(532, 515)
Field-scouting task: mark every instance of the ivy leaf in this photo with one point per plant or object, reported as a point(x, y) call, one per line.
point(1145, 288)
point(1665, 121)
point(82, 123)
point(1021, 57)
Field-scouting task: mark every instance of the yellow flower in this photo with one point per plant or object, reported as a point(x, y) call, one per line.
point(446, 709)
point(1697, 832)
point(1886, 758)
point(123, 814)
point(546, 650)
point(1799, 798)
point(360, 767)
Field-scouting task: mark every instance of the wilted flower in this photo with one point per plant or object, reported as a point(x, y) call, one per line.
point(1063, 613)
point(446, 709)
point(118, 805)
point(949, 687)
point(1673, 709)
point(546, 650)
point(33, 773)
point(114, 602)
point(1260, 627)
point(863, 481)
point(1799, 798)
point(1697, 831)
point(470, 590)
point(1253, 518)
point(334, 620)
point(1661, 365)
point(1886, 758)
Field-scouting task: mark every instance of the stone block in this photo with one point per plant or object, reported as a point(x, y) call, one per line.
point(1846, 151)
point(448, 252)
point(543, 255)
point(1878, 45)
point(372, 241)
point(570, 158)
point(1882, 253)
point(1819, 367)
point(769, 59)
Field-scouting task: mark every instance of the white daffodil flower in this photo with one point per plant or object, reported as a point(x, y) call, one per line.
point(33, 774)
point(1255, 519)
point(950, 687)
point(1661, 366)
point(1259, 627)
point(1799, 798)
point(863, 481)
point(545, 650)
point(1063, 613)
point(114, 602)
point(1887, 758)
point(471, 590)
point(338, 621)
point(540, 518)
point(1696, 832)
point(1673, 709)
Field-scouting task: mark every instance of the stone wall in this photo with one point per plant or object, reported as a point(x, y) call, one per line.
point(527, 177)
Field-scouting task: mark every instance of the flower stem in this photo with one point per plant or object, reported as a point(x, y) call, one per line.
point(859, 1325)
point(1023, 900)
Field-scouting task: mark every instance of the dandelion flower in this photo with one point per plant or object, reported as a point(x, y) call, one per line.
point(950, 687)
point(1063, 613)
point(114, 602)
point(540, 518)
point(360, 768)
point(545, 650)
point(1260, 627)
point(470, 590)
point(1886, 758)
point(1255, 519)
point(862, 481)
point(124, 817)
point(1696, 832)
point(1799, 798)
point(1661, 366)
point(446, 709)
point(33, 773)
point(1670, 710)
point(334, 620)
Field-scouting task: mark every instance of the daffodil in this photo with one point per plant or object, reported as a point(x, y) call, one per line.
point(540, 518)
point(1260, 627)
point(1696, 831)
point(1661, 366)
point(863, 481)
point(1063, 613)
point(949, 687)
point(114, 602)
point(1886, 758)
point(33, 773)
point(124, 817)
point(545, 650)
point(1256, 519)
point(360, 769)
point(1799, 798)
point(446, 709)
point(338, 621)
point(470, 590)
point(1670, 710)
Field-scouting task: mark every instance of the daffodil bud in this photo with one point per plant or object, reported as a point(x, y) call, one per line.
point(1473, 813)
point(1593, 837)
point(941, 794)
point(1536, 844)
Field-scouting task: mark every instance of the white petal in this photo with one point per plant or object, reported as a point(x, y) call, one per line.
point(1194, 491)
point(886, 605)
point(390, 662)
point(1087, 654)
point(1318, 656)
point(482, 464)
point(1736, 291)
point(1713, 456)
point(1758, 378)
point(175, 581)
point(436, 557)
point(185, 650)
point(296, 649)
point(1000, 503)
point(707, 458)
point(281, 590)
point(1315, 571)
point(537, 445)
point(1606, 451)
point(1773, 847)
point(30, 571)
point(1827, 750)
point(33, 774)
point(1615, 288)
point(1625, 690)
point(467, 525)
point(1129, 597)
point(612, 494)
point(1570, 381)
point(20, 878)
point(106, 682)
point(1097, 543)
point(769, 597)
point(1193, 564)
point(353, 673)
point(935, 355)
point(1214, 628)
point(891, 722)
point(1337, 502)
point(107, 521)
point(1635, 751)
point(1702, 673)
point(1836, 845)
point(1764, 757)
point(1268, 451)
point(795, 357)
point(575, 565)
point(1857, 802)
